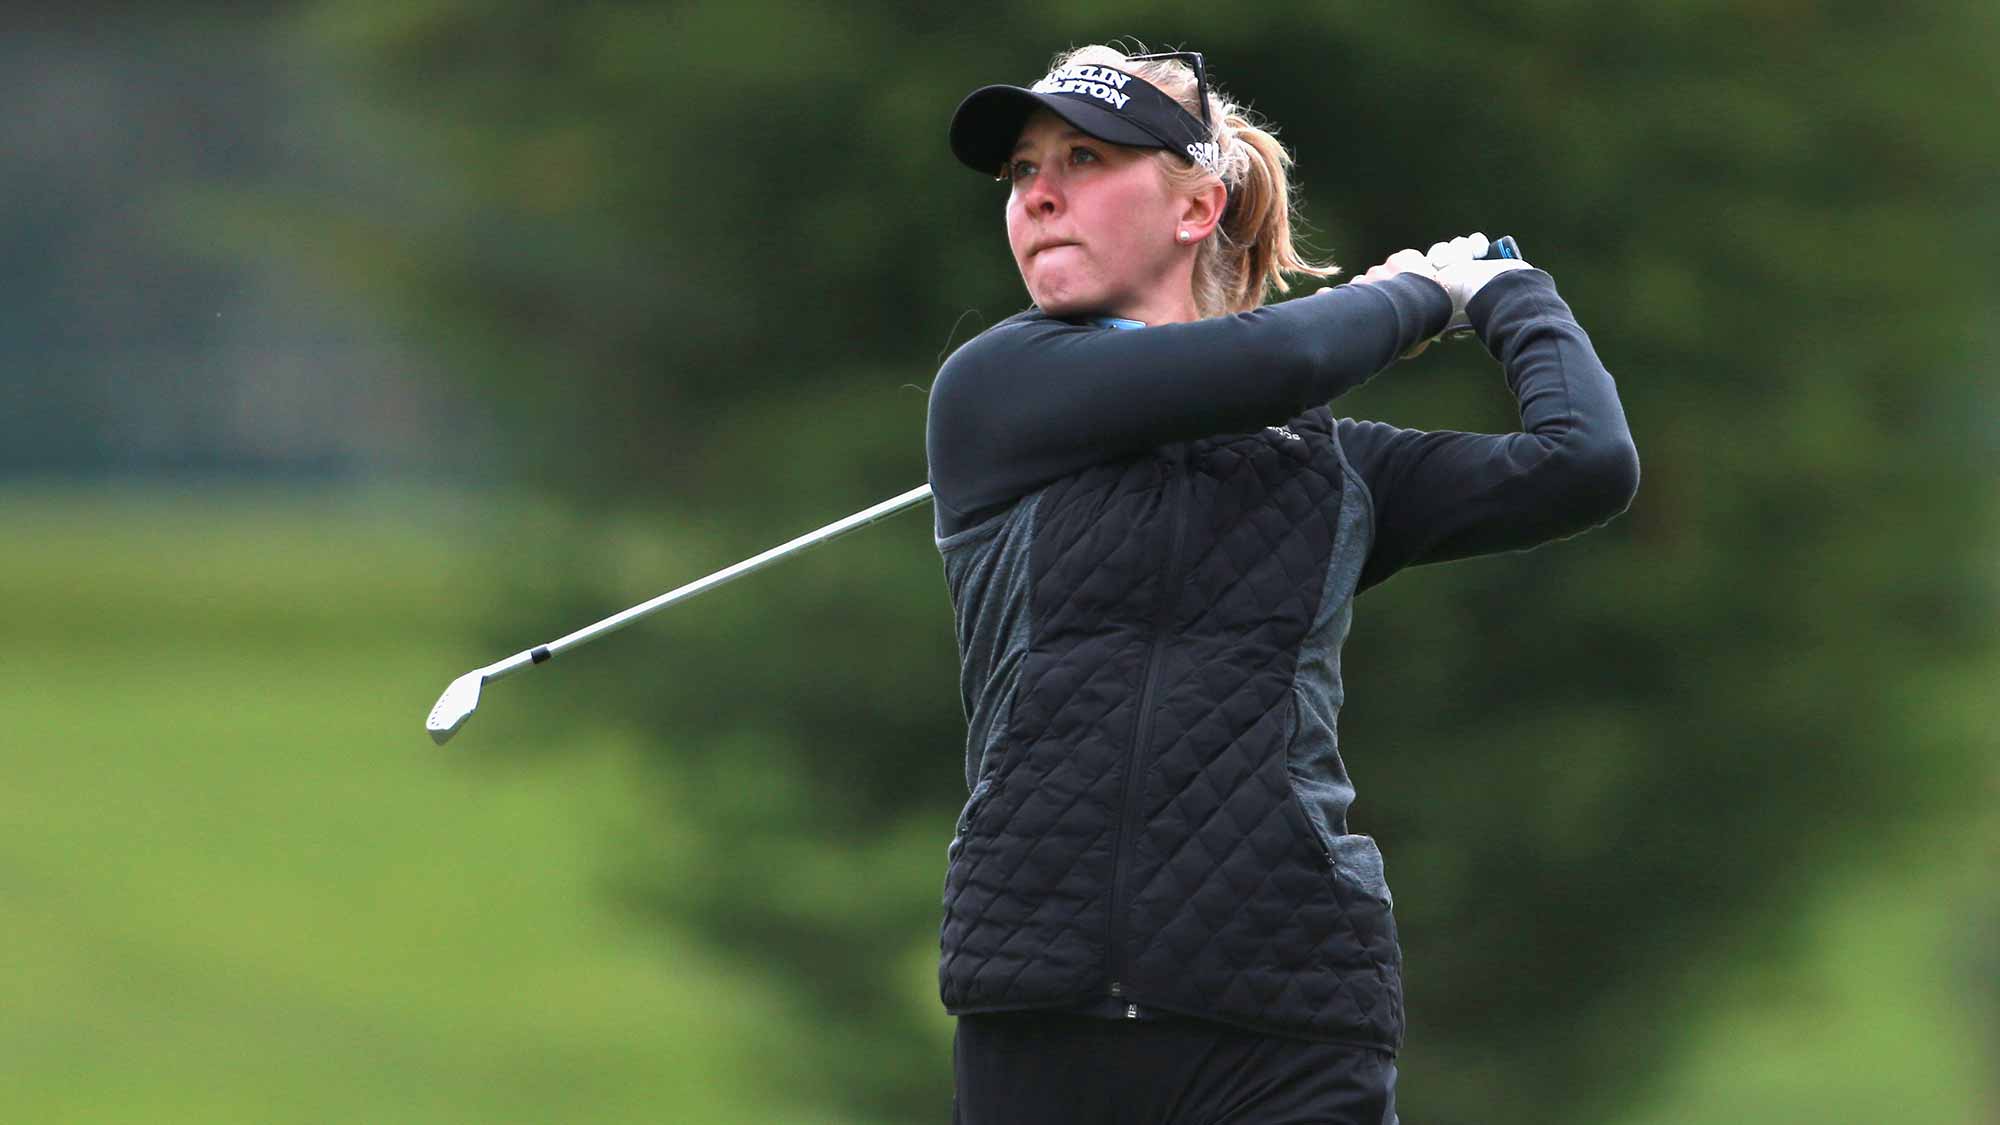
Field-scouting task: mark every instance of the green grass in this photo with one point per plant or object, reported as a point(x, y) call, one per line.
point(238, 882)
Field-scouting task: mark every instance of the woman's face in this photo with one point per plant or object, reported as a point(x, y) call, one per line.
point(1092, 225)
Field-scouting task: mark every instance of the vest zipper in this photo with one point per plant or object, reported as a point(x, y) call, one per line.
point(1169, 588)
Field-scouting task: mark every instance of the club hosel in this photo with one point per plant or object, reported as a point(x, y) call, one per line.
point(515, 663)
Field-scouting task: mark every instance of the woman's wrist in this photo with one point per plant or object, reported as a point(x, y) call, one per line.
point(1420, 302)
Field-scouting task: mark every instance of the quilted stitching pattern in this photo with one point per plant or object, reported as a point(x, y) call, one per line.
point(1026, 903)
point(1235, 911)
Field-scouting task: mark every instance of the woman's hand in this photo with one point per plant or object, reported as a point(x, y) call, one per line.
point(1402, 261)
point(1463, 269)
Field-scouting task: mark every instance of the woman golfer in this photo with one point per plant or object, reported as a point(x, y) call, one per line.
point(1153, 532)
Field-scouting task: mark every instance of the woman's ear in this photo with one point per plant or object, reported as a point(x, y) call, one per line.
point(1203, 210)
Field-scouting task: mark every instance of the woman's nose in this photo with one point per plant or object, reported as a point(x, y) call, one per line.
point(1043, 196)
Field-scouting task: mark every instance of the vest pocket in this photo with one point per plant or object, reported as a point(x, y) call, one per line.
point(1351, 867)
point(967, 818)
point(1354, 860)
point(1307, 830)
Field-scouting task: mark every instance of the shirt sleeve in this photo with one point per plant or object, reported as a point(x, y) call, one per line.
point(1034, 398)
point(1442, 495)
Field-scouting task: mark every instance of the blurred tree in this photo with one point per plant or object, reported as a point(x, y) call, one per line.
point(702, 259)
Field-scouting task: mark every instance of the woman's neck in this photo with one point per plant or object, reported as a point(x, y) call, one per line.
point(1170, 302)
point(1162, 311)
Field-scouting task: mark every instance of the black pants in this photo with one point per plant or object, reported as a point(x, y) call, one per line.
point(1038, 1068)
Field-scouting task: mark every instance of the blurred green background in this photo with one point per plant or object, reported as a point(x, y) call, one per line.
point(353, 344)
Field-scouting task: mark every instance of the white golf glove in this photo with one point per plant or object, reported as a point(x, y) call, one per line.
point(1463, 273)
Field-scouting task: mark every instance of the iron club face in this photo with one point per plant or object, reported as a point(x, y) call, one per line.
point(455, 706)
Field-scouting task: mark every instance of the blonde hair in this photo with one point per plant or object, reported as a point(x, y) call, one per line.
point(1251, 251)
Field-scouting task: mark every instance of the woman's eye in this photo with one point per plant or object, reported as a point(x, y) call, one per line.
point(1018, 170)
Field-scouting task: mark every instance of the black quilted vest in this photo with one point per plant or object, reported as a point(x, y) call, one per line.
point(1150, 661)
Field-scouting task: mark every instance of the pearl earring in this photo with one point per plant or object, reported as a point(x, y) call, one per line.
point(1183, 236)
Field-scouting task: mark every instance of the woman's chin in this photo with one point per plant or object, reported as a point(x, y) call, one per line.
point(1065, 304)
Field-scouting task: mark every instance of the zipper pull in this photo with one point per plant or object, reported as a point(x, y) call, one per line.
point(1117, 989)
point(1131, 1011)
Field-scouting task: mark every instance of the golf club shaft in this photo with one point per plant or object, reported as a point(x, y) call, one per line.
point(680, 594)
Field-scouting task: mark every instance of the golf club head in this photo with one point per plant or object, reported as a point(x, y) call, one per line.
point(455, 706)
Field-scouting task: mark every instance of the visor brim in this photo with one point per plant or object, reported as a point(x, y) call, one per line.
point(987, 124)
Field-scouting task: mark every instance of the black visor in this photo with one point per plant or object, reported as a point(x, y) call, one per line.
point(1103, 101)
